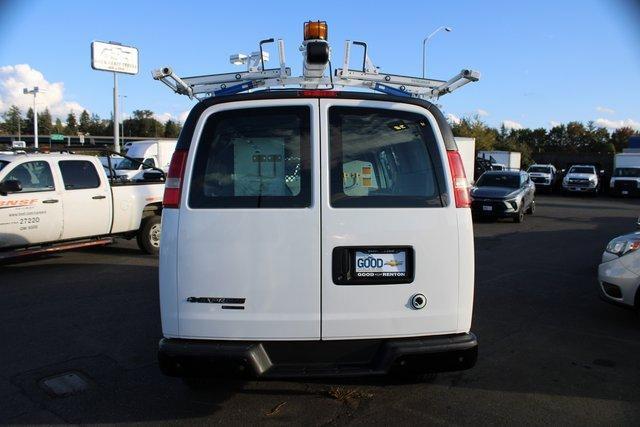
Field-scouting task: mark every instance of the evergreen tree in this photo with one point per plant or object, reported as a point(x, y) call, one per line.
point(28, 124)
point(85, 122)
point(58, 127)
point(72, 124)
point(13, 121)
point(45, 122)
point(171, 129)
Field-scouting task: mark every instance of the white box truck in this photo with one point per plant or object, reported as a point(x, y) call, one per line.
point(625, 179)
point(467, 150)
point(509, 160)
point(148, 153)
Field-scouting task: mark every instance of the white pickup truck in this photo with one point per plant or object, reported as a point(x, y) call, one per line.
point(62, 201)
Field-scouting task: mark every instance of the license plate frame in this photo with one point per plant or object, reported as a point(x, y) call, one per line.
point(347, 271)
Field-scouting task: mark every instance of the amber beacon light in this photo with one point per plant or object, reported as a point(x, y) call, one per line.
point(315, 30)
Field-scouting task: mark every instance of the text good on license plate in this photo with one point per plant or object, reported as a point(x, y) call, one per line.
point(381, 264)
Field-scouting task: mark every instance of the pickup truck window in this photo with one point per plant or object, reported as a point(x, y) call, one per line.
point(79, 174)
point(34, 176)
point(539, 169)
point(383, 158)
point(582, 169)
point(253, 158)
point(126, 164)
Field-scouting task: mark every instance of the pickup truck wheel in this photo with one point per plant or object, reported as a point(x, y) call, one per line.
point(149, 235)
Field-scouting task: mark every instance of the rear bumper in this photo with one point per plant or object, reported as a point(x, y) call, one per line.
point(277, 359)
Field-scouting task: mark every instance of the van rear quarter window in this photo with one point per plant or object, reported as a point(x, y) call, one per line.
point(383, 158)
point(253, 158)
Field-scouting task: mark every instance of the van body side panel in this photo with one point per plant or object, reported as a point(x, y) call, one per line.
point(249, 273)
point(168, 272)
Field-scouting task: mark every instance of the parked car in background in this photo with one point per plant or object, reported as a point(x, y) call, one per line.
point(625, 180)
point(619, 272)
point(503, 194)
point(543, 176)
point(581, 179)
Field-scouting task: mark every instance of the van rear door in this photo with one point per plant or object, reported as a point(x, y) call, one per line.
point(389, 231)
point(249, 246)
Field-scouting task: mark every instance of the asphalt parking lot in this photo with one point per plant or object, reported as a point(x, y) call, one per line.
point(551, 352)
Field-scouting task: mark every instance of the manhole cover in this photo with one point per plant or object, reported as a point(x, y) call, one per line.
point(65, 384)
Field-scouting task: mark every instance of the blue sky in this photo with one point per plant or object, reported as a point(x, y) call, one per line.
point(541, 61)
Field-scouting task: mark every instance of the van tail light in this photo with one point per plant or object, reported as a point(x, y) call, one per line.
point(461, 188)
point(173, 185)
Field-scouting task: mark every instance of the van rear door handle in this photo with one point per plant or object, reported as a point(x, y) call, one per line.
point(50, 201)
point(99, 197)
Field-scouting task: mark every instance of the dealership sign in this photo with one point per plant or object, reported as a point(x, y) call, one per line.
point(114, 57)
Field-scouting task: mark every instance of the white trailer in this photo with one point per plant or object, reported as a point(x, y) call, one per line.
point(509, 160)
point(467, 150)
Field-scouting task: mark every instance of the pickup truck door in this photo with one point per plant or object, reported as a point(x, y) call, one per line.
point(34, 214)
point(86, 198)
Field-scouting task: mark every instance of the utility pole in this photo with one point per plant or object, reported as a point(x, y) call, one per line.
point(116, 117)
point(34, 92)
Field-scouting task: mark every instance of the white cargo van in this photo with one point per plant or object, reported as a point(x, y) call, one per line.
point(315, 232)
point(625, 180)
point(147, 154)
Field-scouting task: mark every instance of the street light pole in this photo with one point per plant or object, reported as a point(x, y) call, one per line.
point(116, 119)
point(34, 92)
point(424, 45)
point(122, 97)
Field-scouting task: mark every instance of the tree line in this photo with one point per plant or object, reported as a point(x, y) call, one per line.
point(140, 124)
point(572, 137)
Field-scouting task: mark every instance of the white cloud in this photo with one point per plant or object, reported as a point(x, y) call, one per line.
point(13, 78)
point(510, 124)
point(163, 117)
point(553, 123)
point(605, 110)
point(452, 118)
point(168, 116)
point(481, 112)
point(616, 124)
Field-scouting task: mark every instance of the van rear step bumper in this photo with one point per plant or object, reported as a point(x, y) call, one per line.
point(344, 358)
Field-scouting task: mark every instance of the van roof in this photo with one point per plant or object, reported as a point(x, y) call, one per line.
point(184, 141)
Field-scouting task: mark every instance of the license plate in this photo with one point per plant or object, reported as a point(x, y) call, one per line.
point(487, 208)
point(373, 263)
point(625, 192)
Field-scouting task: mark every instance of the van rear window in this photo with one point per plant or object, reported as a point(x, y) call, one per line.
point(383, 158)
point(253, 158)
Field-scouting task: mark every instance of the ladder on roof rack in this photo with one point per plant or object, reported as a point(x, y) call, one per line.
point(257, 77)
